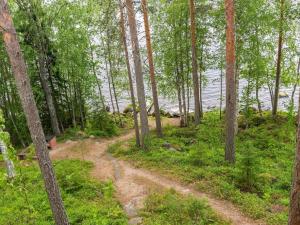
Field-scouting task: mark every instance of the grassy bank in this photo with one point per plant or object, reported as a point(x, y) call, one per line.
point(259, 182)
point(24, 201)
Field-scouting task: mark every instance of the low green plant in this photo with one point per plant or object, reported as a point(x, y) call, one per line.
point(24, 200)
point(170, 208)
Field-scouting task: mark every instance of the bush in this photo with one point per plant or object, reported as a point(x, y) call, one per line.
point(101, 124)
point(170, 208)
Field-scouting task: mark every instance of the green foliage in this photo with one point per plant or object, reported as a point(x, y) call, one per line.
point(24, 200)
point(260, 181)
point(170, 208)
point(101, 124)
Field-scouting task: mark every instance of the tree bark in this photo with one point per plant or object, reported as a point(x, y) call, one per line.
point(135, 114)
point(230, 83)
point(37, 134)
point(138, 71)
point(48, 93)
point(151, 69)
point(194, 62)
point(279, 56)
point(294, 213)
point(10, 169)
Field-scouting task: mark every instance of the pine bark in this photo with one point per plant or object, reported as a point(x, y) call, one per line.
point(151, 69)
point(294, 213)
point(135, 114)
point(230, 83)
point(194, 62)
point(33, 120)
point(138, 71)
point(279, 58)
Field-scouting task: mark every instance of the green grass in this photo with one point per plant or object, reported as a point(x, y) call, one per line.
point(24, 200)
point(172, 209)
point(259, 182)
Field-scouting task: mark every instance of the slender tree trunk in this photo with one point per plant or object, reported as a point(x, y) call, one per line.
point(179, 100)
point(294, 214)
point(135, 114)
point(279, 57)
point(296, 84)
point(201, 81)
point(109, 86)
point(230, 83)
point(194, 62)
point(48, 94)
point(151, 69)
point(10, 169)
point(112, 77)
point(138, 71)
point(257, 97)
point(95, 75)
point(221, 90)
point(37, 134)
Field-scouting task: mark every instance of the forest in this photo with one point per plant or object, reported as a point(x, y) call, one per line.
point(150, 112)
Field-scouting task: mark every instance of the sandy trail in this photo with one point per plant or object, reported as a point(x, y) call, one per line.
point(133, 185)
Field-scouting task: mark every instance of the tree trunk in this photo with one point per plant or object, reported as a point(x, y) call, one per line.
point(37, 134)
point(230, 83)
point(109, 86)
point(135, 114)
point(138, 71)
point(279, 56)
point(10, 169)
point(294, 214)
point(295, 85)
point(221, 90)
point(48, 93)
point(194, 62)
point(95, 75)
point(151, 69)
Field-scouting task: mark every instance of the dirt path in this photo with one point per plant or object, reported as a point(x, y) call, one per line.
point(133, 185)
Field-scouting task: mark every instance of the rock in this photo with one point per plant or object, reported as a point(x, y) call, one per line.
point(167, 145)
point(92, 136)
point(172, 149)
point(283, 94)
point(128, 109)
point(130, 210)
point(135, 221)
point(211, 107)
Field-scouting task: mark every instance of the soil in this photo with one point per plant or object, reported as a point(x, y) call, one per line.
point(132, 184)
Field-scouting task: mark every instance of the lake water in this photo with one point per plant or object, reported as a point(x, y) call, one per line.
point(211, 95)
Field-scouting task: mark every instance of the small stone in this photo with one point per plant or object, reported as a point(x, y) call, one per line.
point(135, 221)
point(283, 94)
point(130, 210)
point(167, 145)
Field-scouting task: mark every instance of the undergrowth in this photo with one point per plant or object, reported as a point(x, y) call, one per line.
point(259, 183)
point(172, 209)
point(24, 200)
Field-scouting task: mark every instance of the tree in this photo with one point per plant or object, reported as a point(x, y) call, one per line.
point(41, 43)
point(279, 58)
point(151, 68)
point(294, 213)
point(135, 114)
point(25, 92)
point(230, 83)
point(138, 70)
point(194, 63)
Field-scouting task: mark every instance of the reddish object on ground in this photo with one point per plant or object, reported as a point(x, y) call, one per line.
point(52, 143)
